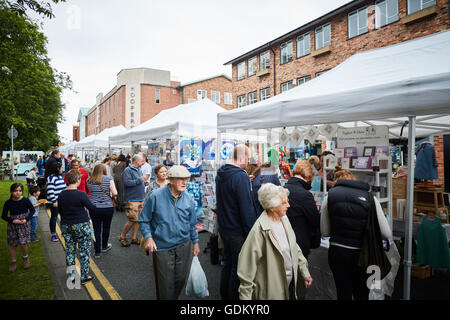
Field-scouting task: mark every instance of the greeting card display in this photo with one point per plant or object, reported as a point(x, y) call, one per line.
point(345, 163)
point(350, 152)
point(369, 151)
point(381, 150)
point(339, 152)
point(362, 163)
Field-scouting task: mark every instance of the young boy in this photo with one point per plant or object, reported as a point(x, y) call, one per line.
point(34, 195)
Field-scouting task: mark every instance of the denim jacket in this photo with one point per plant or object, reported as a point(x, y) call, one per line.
point(169, 221)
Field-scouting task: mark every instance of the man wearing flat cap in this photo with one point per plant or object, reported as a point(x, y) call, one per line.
point(167, 223)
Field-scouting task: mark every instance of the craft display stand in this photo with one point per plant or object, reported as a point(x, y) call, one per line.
point(429, 199)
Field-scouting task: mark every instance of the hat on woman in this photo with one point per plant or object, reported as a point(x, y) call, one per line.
point(177, 171)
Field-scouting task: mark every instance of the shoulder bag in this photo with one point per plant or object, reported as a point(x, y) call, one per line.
point(112, 199)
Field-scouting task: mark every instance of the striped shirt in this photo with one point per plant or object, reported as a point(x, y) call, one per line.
point(55, 185)
point(98, 197)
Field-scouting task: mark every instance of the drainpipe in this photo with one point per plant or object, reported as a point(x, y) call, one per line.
point(274, 72)
point(180, 88)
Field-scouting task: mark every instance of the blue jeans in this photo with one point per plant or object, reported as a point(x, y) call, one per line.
point(34, 224)
point(101, 221)
point(229, 281)
point(53, 218)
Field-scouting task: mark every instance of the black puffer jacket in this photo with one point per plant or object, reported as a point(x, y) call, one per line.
point(348, 209)
point(303, 214)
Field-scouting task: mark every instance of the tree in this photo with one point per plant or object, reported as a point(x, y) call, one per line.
point(20, 7)
point(30, 89)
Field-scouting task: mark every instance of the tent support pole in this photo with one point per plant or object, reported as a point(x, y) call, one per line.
point(409, 210)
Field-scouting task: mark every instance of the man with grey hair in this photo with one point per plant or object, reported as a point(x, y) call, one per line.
point(134, 196)
point(236, 215)
point(167, 224)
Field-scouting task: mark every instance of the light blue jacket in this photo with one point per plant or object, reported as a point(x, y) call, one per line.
point(169, 223)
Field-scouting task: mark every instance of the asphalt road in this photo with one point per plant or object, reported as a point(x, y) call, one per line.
point(130, 271)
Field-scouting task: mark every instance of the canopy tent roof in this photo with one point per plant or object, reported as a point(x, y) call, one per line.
point(196, 119)
point(100, 140)
point(380, 86)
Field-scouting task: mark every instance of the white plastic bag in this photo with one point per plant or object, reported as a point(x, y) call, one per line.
point(197, 284)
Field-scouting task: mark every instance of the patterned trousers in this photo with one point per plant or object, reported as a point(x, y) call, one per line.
point(78, 234)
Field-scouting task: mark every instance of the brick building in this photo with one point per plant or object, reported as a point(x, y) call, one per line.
point(216, 88)
point(76, 132)
point(141, 93)
point(320, 45)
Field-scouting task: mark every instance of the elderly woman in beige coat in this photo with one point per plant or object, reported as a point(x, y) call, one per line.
point(270, 257)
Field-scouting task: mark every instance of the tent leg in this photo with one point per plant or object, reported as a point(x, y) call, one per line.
point(409, 209)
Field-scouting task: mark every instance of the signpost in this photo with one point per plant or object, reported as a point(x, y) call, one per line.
point(12, 134)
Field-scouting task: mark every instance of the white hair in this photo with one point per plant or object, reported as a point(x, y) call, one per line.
point(269, 195)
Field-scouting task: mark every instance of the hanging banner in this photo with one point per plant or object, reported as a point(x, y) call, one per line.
point(296, 137)
point(361, 137)
point(311, 134)
point(284, 137)
point(226, 151)
point(191, 155)
point(328, 130)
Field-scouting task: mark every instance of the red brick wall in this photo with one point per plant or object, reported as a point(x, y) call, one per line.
point(221, 84)
point(91, 122)
point(438, 142)
point(112, 109)
point(169, 97)
point(341, 48)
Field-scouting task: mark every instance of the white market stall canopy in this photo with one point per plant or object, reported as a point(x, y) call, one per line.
point(380, 86)
point(196, 119)
point(100, 140)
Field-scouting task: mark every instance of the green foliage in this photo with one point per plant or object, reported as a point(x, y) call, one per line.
point(20, 7)
point(30, 89)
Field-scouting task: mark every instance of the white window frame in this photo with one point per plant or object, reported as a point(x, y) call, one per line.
point(319, 36)
point(252, 65)
point(304, 42)
point(158, 96)
point(264, 62)
point(228, 98)
point(241, 71)
point(215, 96)
point(390, 16)
point(202, 94)
point(288, 56)
point(361, 12)
point(285, 86)
point(423, 4)
point(241, 101)
point(264, 94)
point(303, 80)
point(253, 96)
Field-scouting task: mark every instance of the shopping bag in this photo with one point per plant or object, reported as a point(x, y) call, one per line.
point(197, 284)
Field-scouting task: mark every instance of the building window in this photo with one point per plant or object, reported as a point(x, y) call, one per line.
point(323, 36)
point(158, 95)
point(264, 93)
point(201, 94)
point(241, 71)
point(303, 45)
point(386, 12)
point(264, 60)
point(252, 66)
point(303, 80)
point(252, 97)
point(286, 52)
point(417, 5)
point(286, 86)
point(228, 98)
point(215, 96)
point(241, 101)
point(357, 22)
point(318, 74)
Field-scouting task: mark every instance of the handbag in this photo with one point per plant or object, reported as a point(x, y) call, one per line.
point(112, 198)
point(372, 251)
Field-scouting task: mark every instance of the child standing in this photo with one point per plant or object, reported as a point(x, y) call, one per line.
point(35, 192)
point(18, 230)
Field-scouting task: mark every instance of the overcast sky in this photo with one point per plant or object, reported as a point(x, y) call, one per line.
point(92, 40)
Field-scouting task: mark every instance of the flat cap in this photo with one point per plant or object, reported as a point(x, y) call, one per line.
point(177, 171)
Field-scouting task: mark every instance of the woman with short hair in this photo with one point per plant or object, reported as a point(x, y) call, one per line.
point(161, 179)
point(270, 257)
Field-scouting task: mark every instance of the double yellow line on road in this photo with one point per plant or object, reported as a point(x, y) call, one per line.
point(93, 292)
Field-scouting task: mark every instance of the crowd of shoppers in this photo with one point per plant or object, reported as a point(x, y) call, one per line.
point(267, 230)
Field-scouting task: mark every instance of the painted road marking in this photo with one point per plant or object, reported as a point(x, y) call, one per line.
point(99, 275)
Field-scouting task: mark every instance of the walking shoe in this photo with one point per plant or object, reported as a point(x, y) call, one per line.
point(97, 255)
point(89, 278)
point(108, 247)
point(35, 239)
point(135, 241)
point(12, 266)
point(54, 238)
point(26, 263)
point(124, 242)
